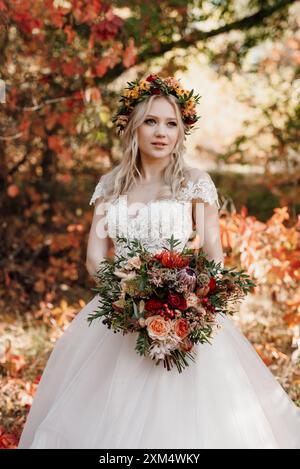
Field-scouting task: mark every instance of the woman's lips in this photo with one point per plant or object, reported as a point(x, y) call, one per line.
point(159, 145)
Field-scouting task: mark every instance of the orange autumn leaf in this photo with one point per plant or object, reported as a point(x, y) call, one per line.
point(266, 358)
point(293, 319)
point(13, 190)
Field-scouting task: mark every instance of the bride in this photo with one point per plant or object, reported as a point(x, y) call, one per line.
point(96, 391)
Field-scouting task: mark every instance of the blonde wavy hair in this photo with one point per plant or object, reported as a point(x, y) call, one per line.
point(120, 180)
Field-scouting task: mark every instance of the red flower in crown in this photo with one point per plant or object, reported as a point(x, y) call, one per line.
point(190, 121)
point(151, 78)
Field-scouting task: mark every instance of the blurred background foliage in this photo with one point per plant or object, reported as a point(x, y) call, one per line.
point(63, 64)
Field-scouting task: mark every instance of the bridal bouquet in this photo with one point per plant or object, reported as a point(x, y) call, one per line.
point(170, 298)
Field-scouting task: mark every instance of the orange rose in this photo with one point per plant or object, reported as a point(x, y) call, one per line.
point(181, 328)
point(157, 327)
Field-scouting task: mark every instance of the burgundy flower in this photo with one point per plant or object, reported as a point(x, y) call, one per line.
point(151, 78)
point(177, 301)
point(190, 121)
point(153, 304)
point(212, 284)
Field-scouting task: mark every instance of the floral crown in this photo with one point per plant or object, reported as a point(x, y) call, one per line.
point(137, 91)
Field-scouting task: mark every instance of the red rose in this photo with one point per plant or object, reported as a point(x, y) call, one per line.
point(153, 304)
point(156, 91)
point(177, 301)
point(212, 284)
point(151, 78)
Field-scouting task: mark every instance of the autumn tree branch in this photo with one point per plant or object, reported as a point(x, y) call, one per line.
point(246, 23)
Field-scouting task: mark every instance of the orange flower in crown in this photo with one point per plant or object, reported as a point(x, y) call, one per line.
point(137, 91)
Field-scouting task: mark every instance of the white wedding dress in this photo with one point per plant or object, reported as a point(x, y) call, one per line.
point(97, 392)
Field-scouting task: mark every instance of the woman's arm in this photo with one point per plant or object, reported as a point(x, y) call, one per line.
point(97, 246)
point(207, 227)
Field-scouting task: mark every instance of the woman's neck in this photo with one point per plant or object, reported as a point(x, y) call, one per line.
point(152, 172)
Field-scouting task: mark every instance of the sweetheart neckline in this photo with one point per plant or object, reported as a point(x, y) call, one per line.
point(146, 204)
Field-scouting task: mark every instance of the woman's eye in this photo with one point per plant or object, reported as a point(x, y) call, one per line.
point(152, 120)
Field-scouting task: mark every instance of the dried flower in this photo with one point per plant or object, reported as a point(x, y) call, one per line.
point(187, 279)
point(203, 279)
point(193, 300)
point(186, 345)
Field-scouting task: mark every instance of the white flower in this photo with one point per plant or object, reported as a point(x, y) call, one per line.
point(158, 350)
point(141, 306)
point(124, 275)
point(133, 262)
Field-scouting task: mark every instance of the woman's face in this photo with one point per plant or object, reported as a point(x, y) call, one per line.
point(159, 125)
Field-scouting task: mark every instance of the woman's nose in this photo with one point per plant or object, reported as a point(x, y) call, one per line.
point(160, 130)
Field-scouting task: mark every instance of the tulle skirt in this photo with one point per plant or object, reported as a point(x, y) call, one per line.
point(97, 392)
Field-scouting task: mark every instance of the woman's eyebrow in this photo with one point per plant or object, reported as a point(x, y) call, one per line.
point(169, 118)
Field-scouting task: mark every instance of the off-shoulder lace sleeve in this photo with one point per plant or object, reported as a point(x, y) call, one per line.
point(203, 188)
point(99, 191)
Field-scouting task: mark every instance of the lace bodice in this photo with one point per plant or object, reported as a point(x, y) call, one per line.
point(156, 220)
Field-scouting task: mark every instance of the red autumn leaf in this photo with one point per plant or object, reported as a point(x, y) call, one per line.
point(72, 68)
point(55, 143)
point(244, 211)
point(24, 124)
point(26, 22)
point(70, 33)
point(86, 11)
point(130, 54)
point(7, 440)
point(101, 67)
point(107, 29)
